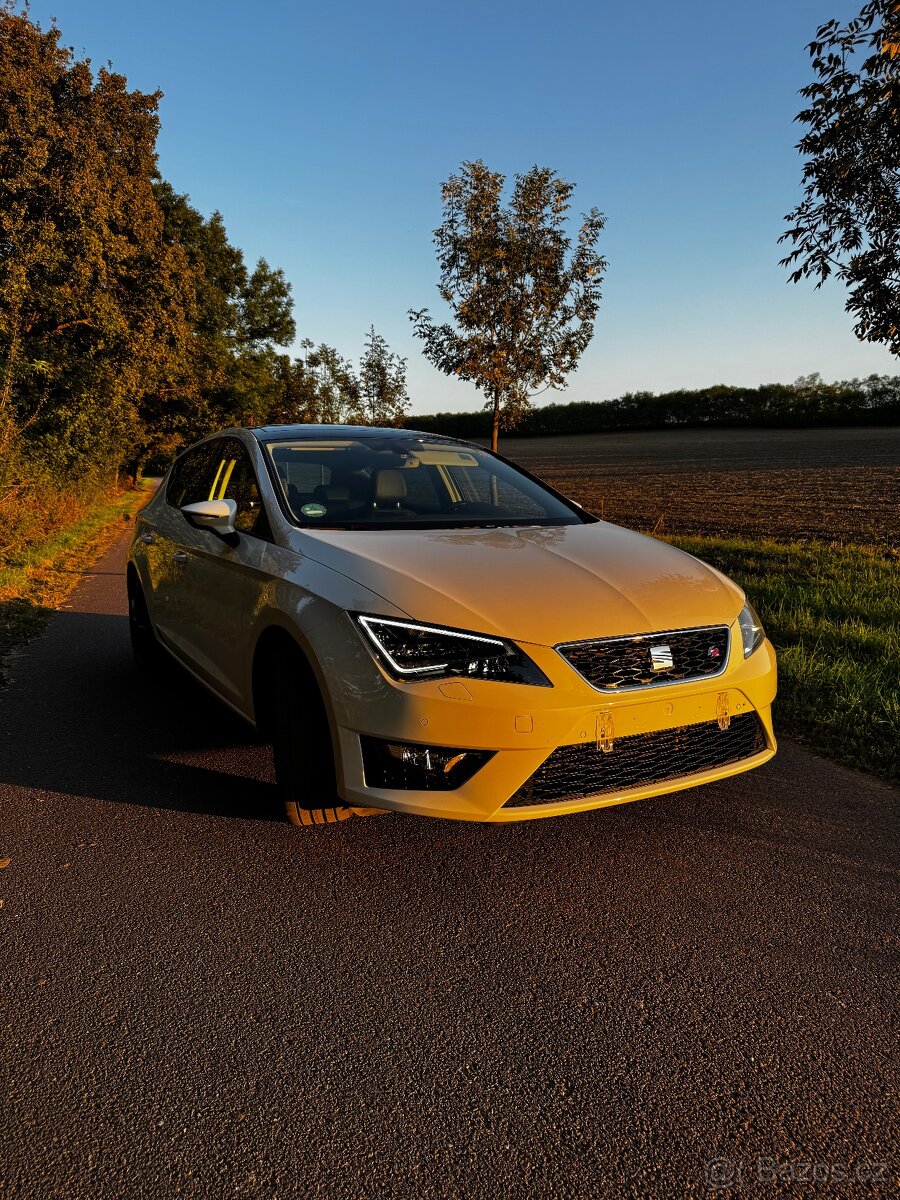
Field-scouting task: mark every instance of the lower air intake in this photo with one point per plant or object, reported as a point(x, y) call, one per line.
point(573, 772)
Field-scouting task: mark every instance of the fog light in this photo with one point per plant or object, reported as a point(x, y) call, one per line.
point(410, 766)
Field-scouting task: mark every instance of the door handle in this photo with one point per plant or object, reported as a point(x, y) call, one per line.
point(179, 556)
point(147, 539)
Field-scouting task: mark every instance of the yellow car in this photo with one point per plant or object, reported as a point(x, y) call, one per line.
point(420, 625)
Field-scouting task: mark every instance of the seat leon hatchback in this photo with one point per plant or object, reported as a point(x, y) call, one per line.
point(417, 624)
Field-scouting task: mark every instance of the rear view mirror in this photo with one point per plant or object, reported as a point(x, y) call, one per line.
point(217, 515)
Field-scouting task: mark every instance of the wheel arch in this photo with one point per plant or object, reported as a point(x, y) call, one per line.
point(137, 575)
point(272, 645)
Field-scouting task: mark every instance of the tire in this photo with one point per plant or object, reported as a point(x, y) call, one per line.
point(148, 654)
point(301, 747)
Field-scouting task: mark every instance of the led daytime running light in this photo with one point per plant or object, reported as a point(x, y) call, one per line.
point(431, 668)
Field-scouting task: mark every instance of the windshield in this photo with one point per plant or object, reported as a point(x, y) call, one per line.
point(403, 483)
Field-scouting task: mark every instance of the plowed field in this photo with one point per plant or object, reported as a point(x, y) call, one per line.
point(828, 484)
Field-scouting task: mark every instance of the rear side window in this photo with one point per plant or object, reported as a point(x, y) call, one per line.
point(191, 477)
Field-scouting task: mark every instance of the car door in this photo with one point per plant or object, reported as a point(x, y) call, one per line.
point(164, 532)
point(220, 579)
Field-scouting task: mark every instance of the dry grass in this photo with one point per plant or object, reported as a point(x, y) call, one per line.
point(36, 578)
point(31, 512)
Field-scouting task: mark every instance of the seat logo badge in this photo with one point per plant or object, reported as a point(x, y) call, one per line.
point(661, 658)
point(606, 731)
point(723, 716)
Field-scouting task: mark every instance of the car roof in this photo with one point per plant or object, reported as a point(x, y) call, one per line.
point(292, 433)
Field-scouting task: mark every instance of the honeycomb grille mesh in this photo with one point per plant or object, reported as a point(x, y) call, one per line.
point(620, 664)
point(573, 772)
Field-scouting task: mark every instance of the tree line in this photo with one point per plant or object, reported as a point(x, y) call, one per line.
point(807, 402)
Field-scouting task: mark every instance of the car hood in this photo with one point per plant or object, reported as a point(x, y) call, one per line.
point(531, 584)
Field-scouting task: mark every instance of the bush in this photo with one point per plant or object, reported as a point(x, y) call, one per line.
point(36, 500)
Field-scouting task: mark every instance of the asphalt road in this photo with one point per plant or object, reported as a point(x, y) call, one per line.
point(200, 1000)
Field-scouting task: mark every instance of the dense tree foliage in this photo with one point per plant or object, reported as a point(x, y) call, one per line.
point(333, 388)
point(808, 401)
point(129, 324)
point(523, 301)
point(95, 304)
point(848, 220)
point(239, 317)
point(320, 387)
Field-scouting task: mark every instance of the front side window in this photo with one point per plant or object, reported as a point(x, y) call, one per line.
point(408, 482)
point(235, 479)
point(220, 470)
point(191, 477)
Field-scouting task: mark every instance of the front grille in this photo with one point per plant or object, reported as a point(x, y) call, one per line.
point(648, 660)
point(572, 772)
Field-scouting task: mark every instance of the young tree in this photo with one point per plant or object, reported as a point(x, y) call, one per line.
point(523, 306)
point(848, 220)
point(337, 388)
point(320, 388)
point(382, 383)
point(297, 401)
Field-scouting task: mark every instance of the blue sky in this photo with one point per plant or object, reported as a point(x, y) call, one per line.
point(323, 132)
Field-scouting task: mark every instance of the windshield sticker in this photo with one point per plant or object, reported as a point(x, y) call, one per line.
point(314, 510)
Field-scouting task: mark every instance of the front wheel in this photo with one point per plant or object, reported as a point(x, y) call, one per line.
point(302, 748)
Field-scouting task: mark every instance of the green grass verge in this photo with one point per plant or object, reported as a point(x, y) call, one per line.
point(833, 614)
point(37, 578)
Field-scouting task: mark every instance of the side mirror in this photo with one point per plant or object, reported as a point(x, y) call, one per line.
point(217, 515)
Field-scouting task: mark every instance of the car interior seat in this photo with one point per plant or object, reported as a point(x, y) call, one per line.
point(389, 492)
point(334, 497)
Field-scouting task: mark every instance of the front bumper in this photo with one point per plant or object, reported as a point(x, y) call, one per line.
point(524, 725)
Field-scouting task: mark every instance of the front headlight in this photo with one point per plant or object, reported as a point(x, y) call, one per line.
point(409, 651)
point(752, 631)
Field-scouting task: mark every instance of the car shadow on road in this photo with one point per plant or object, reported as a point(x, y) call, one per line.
point(77, 719)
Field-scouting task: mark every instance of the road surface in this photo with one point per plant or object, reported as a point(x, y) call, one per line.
point(199, 1000)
